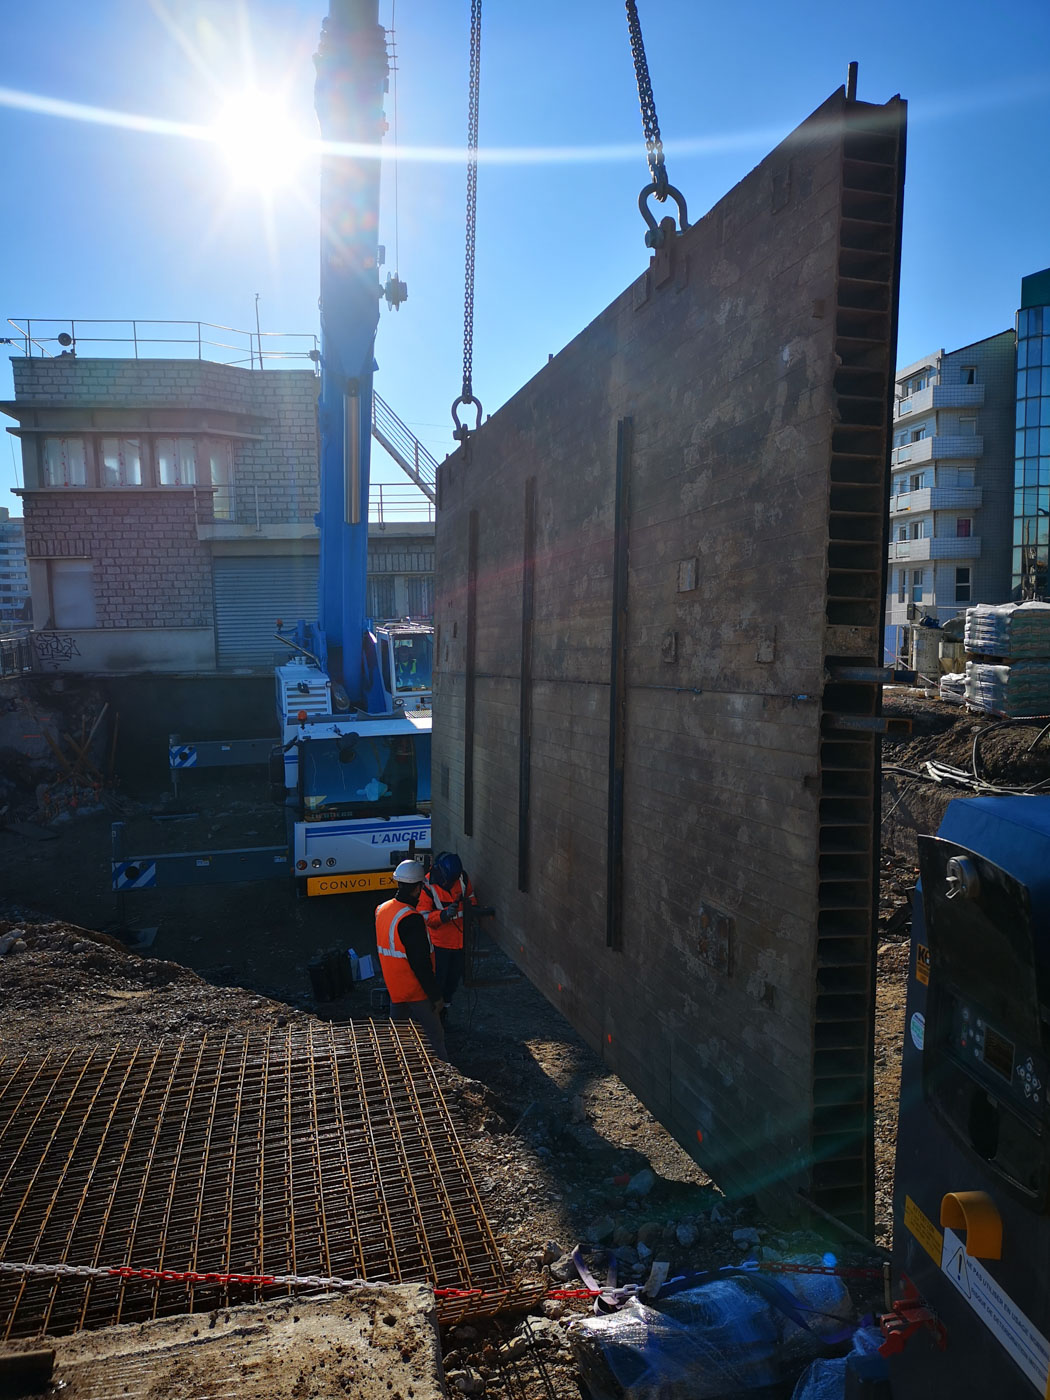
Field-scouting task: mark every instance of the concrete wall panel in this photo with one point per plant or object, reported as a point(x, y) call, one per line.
point(683, 643)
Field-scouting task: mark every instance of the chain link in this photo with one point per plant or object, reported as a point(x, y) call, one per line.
point(654, 146)
point(472, 199)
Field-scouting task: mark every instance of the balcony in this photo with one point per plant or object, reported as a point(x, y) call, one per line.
point(936, 498)
point(937, 448)
point(939, 547)
point(910, 549)
point(939, 396)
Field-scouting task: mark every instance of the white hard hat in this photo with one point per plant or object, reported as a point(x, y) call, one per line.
point(410, 872)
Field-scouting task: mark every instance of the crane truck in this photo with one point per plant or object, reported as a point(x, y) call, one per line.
point(353, 702)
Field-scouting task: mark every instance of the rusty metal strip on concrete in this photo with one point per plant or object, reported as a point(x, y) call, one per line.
point(328, 1151)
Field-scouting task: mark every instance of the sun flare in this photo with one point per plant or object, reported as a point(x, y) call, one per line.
point(261, 145)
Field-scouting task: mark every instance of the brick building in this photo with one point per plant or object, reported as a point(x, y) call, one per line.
point(169, 513)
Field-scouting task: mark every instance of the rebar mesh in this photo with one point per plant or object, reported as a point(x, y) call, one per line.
point(328, 1151)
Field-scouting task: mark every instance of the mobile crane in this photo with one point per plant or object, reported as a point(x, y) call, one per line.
point(353, 766)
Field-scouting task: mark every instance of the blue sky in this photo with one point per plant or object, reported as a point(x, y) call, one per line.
point(105, 221)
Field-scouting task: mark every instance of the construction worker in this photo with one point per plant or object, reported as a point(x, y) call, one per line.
point(445, 892)
point(407, 959)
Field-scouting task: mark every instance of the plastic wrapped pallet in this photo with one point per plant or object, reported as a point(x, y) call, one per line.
point(953, 688)
point(1012, 631)
point(1014, 692)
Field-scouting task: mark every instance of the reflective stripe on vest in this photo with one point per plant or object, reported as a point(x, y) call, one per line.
point(388, 948)
point(401, 982)
point(449, 934)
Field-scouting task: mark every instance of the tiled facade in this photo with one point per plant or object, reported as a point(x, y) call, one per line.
point(1031, 578)
point(268, 419)
point(14, 576)
point(951, 502)
point(169, 513)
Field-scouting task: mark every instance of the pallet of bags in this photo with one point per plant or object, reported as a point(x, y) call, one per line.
point(1014, 691)
point(1012, 631)
point(953, 688)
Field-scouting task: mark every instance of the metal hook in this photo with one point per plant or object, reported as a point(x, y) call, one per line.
point(462, 432)
point(654, 236)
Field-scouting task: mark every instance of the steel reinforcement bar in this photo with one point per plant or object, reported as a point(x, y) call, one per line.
point(328, 1151)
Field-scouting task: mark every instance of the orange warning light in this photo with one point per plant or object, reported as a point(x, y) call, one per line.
point(301, 716)
point(609, 1038)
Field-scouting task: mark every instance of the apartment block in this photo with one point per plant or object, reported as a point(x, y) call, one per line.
point(14, 576)
point(951, 493)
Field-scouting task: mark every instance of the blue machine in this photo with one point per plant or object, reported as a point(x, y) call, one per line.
point(353, 762)
point(352, 71)
point(972, 1188)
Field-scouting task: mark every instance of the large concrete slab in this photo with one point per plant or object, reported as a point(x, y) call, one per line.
point(372, 1345)
point(660, 589)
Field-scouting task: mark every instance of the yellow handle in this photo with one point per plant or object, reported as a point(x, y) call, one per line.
point(977, 1214)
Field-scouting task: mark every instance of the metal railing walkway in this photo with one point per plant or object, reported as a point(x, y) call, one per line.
point(406, 449)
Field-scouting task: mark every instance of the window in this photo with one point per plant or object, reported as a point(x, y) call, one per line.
point(968, 426)
point(917, 434)
point(420, 596)
point(902, 585)
point(381, 596)
point(918, 529)
point(71, 587)
point(176, 461)
point(918, 482)
point(962, 585)
point(902, 532)
point(968, 374)
point(917, 581)
point(963, 527)
point(120, 462)
point(217, 455)
point(65, 461)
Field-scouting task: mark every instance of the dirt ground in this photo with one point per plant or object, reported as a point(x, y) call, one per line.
point(551, 1136)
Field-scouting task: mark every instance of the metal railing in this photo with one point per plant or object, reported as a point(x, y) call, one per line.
point(392, 505)
point(403, 445)
point(16, 652)
point(178, 340)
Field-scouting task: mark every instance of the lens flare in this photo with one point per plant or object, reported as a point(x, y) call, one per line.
point(259, 141)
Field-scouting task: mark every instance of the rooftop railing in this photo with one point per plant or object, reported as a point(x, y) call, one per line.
point(177, 340)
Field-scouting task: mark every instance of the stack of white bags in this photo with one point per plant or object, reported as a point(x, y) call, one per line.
point(1018, 636)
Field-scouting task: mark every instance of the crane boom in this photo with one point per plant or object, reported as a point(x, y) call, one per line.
point(352, 70)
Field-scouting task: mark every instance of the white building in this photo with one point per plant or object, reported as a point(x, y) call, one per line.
point(951, 501)
point(14, 572)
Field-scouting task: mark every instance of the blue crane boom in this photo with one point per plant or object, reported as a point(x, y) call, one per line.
point(352, 70)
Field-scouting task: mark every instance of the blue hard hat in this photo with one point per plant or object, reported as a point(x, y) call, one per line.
point(446, 869)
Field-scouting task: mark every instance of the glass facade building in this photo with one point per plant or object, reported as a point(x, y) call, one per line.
point(1031, 545)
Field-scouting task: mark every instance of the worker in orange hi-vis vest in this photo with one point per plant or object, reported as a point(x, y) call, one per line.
point(445, 892)
point(407, 959)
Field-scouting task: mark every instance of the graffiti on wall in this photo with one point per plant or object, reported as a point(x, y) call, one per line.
point(54, 650)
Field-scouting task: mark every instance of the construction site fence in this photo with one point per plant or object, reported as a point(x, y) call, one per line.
point(16, 652)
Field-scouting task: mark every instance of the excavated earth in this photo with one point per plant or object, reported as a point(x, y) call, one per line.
point(552, 1138)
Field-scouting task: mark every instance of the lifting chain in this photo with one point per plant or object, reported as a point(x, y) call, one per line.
point(462, 431)
point(654, 146)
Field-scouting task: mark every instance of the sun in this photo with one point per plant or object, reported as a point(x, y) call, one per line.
point(260, 142)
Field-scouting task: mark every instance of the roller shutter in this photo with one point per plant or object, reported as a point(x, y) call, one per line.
point(250, 594)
